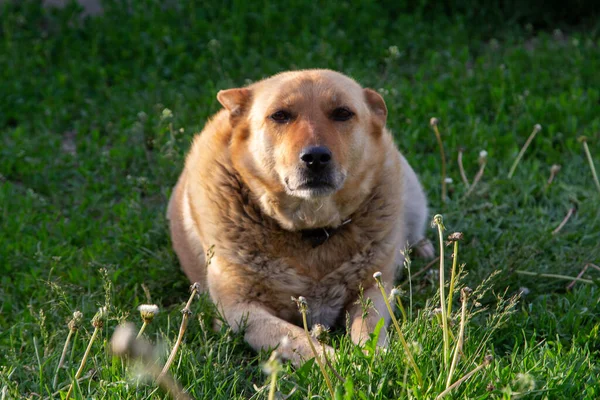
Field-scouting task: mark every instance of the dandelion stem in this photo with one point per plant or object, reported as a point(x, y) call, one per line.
point(142, 329)
point(62, 357)
point(302, 307)
point(434, 123)
point(401, 307)
point(591, 162)
point(485, 363)
point(273, 384)
point(439, 222)
point(553, 171)
point(452, 278)
point(477, 178)
point(463, 175)
point(184, 323)
point(565, 220)
point(461, 336)
point(83, 361)
point(536, 129)
point(409, 355)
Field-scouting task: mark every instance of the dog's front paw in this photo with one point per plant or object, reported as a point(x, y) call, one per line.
point(424, 249)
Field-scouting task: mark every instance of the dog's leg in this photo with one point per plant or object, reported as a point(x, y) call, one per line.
point(364, 318)
point(415, 213)
point(262, 330)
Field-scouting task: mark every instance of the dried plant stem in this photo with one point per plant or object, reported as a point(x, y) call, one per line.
point(461, 336)
point(557, 276)
point(553, 171)
point(62, 357)
point(591, 162)
point(536, 129)
point(485, 363)
point(476, 180)
point(314, 350)
point(83, 361)
point(565, 220)
point(452, 279)
point(443, 158)
point(463, 175)
point(585, 268)
point(184, 323)
point(409, 355)
point(438, 221)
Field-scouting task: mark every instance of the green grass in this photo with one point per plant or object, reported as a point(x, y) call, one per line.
point(88, 158)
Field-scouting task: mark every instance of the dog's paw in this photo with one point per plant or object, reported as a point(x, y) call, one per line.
point(424, 249)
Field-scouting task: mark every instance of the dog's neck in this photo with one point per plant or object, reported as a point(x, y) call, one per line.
point(319, 236)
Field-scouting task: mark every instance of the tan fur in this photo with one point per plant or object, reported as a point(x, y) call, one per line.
point(240, 191)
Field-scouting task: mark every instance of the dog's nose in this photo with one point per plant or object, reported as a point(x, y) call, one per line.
point(316, 156)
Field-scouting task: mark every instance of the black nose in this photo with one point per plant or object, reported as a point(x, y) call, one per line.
point(316, 157)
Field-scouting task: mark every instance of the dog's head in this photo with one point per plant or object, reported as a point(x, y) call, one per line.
point(306, 134)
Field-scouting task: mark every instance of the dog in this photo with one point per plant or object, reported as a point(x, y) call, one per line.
point(299, 187)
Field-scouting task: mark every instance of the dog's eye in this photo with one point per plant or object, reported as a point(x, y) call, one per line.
point(341, 114)
point(281, 116)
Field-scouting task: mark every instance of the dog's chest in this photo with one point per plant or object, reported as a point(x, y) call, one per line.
point(329, 276)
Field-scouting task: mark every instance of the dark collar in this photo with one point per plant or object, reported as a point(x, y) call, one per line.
point(318, 236)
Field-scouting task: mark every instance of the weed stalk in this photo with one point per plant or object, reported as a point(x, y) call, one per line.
point(482, 162)
point(409, 356)
point(583, 140)
point(195, 289)
point(536, 129)
point(464, 295)
point(97, 323)
point(73, 326)
point(434, 124)
point(461, 168)
point(439, 222)
point(303, 308)
point(454, 238)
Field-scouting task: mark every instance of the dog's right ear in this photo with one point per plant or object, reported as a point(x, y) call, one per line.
point(236, 101)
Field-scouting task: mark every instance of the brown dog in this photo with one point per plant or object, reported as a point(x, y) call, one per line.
point(300, 189)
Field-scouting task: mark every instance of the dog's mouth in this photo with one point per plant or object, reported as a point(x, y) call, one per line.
point(311, 187)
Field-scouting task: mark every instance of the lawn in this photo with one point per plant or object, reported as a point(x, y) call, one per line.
point(96, 115)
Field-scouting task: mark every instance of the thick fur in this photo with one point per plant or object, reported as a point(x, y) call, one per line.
point(242, 192)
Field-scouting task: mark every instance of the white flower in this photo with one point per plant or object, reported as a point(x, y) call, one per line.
point(537, 127)
point(148, 311)
point(148, 308)
point(377, 275)
point(483, 154)
point(448, 180)
point(166, 114)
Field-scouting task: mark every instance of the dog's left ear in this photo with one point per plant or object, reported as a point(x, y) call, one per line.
point(236, 101)
point(377, 106)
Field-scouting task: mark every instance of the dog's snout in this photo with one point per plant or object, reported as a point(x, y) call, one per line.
point(316, 156)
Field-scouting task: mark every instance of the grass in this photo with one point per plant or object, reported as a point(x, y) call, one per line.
point(95, 119)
